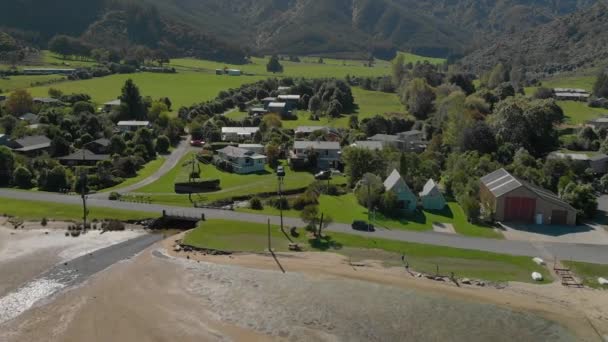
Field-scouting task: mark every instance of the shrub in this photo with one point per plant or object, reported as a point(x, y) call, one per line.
point(279, 203)
point(256, 204)
point(114, 196)
point(43, 222)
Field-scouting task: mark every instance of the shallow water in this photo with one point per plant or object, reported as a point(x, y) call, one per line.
point(298, 307)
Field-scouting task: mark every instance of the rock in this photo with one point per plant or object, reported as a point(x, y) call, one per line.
point(177, 248)
point(466, 281)
point(539, 261)
point(602, 281)
point(481, 283)
point(537, 276)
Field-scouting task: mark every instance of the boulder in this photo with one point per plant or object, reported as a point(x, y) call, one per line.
point(602, 281)
point(466, 281)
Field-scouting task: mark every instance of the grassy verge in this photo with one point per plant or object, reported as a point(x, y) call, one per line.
point(35, 210)
point(345, 209)
point(589, 272)
point(250, 237)
point(165, 184)
point(142, 174)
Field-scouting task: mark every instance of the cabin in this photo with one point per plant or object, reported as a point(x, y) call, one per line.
point(306, 131)
point(570, 94)
point(258, 111)
point(30, 118)
point(406, 200)
point(292, 101)
point(431, 197)
point(267, 101)
point(48, 71)
point(46, 101)
point(126, 126)
point(31, 146)
point(410, 141)
point(111, 105)
point(240, 160)
point(236, 134)
point(100, 146)
point(328, 154)
point(277, 108)
point(233, 72)
point(83, 157)
point(510, 199)
point(598, 162)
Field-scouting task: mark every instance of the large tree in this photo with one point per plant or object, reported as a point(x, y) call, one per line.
point(359, 161)
point(274, 65)
point(600, 87)
point(419, 98)
point(132, 103)
point(19, 102)
point(7, 164)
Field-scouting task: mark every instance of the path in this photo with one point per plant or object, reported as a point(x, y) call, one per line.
point(170, 162)
point(564, 251)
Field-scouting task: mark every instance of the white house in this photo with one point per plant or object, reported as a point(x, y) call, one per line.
point(431, 197)
point(241, 161)
point(125, 126)
point(406, 199)
point(277, 107)
point(238, 133)
point(291, 100)
point(328, 153)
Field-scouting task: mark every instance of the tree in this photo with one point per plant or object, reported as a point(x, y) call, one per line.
point(274, 65)
point(22, 178)
point(465, 82)
point(335, 109)
point(399, 70)
point(157, 108)
point(353, 121)
point(7, 164)
point(54, 180)
point(359, 161)
point(59, 146)
point(131, 102)
point(419, 98)
point(270, 121)
point(543, 93)
point(55, 93)
point(480, 138)
point(369, 193)
point(83, 107)
point(145, 138)
point(497, 76)
point(314, 104)
point(310, 216)
point(600, 87)
point(117, 145)
point(162, 144)
point(582, 197)
point(272, 153)
point(19, 102)
point(61, 45)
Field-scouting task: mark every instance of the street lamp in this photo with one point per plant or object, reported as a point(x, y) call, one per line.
point(280, 178)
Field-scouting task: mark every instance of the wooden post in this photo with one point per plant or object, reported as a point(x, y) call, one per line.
point(269, 245)
point(320, 226)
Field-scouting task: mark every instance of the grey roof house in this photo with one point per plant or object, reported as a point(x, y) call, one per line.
point(240, 160)
point(328, 154)
point(32, 145)
point(406, 199)
point(431, 197)
point(597, 162)
point(83, 157)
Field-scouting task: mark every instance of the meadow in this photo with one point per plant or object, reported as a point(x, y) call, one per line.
point(252, 237)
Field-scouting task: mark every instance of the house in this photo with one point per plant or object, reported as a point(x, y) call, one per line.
point(30, 118)
point(510, 199)
point(283, 89)
point(431, 197)
point(125, 126)
point(240, 160)
point(411, 141)
point(292, 101)
point(48, 71)
point(257, 111)
point(569, 94)
point(238, 133)
point(598, 123)
point(100, 146)
point(111, 105)
point(277, 108)
point(31, 146)
point(406, 199)
point(387, 140)
point(305, 131)
point(368, 145)
point(597, 162)
point(257, 148)
point(46, 101)
point(267, 101)
point(233, 72)
point(83, 157)
point(328, 154)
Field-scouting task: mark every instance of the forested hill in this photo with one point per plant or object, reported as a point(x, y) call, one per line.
point(579, 40)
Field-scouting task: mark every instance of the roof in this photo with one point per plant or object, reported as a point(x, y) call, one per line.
point(277, 104)
point(116, 102)
point(103, 142)
point(563, 94)
point(240, 130)
point(133, 123)
point(393, 180)
point(412, 132)
point(501, 182)
point(384, 137)
point(309, 129)
point(598, 157)
point(602, 119)
point(29, 117)
point(316, 145)
point(48, 69)
point(237, 152)
point(258, 110)
point(269, 99)
point(570, 90)
point(32, 143)
point(45, 100)
point(573, 156)
point(430, 189)
point(370, 145)
point(251, 146)
point(85, 155)
point(289, 97)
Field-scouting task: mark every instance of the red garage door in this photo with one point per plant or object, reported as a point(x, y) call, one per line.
point(520, 209)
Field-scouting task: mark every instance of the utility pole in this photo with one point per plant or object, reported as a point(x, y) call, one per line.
point(269, 245)
point(83, 181)
point(281, 178)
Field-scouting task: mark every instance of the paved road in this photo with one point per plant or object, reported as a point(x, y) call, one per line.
point(564, 251)
point(170, 162)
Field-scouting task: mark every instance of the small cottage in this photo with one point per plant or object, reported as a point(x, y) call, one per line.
point(431, 197)
point(407, 201)
point(240, 160)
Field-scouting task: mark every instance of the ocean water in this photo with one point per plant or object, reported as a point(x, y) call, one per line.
point(302, 308)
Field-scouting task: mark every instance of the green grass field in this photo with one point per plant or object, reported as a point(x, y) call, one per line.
point(345, 209)
point(11, 83)
point(589, 272)
point(410, 57)
point(251, 237)
point(579, 112)
point(35, 210)
point(142, 174)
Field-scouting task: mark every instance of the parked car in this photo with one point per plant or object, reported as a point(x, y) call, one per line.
point(323, 175)
point(280, 171)
point(197, 143)
point(363, 226)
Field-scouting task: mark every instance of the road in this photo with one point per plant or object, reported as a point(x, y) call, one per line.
point(170, 162)
point(563, 251)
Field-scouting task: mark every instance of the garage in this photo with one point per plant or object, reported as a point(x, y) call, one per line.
point(520, 209)
point(559, 217)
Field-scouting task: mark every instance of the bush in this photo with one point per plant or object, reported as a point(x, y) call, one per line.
point(256, 204)
point(114, 196)
point(279, 203)
point(43, 222)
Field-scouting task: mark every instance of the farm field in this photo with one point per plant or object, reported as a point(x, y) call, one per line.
point(250, 237)
point(345, 209)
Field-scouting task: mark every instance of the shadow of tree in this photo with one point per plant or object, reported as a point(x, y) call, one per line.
point(325, 243)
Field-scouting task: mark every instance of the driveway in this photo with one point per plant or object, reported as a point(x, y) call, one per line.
point(587, 234)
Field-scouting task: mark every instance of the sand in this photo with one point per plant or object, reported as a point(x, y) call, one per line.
point(160, 295)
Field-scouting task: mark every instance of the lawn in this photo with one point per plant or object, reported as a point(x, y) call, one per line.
point(579, 112)
point(589, 272)
point(251, 237)
point(410, 57)
point(165, 184)
point(345, 209)
point(582, 82)
point(11, 83)
point(36, 210)
point(142, 174)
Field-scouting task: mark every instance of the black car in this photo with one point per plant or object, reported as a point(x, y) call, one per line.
point(363, 226)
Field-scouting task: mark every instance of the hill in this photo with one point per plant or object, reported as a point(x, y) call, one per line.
point(575, 41)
